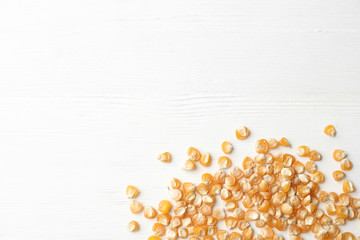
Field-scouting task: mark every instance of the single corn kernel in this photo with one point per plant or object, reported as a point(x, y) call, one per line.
point(200, 231)
point(344, 199)
point(176, 194)
point(189, 165)
point(284, 142)
point(248, 233)
point(175, 183)
point(330, 130)
point(164, 206)
point(273, 143)
point(330, 208)
point(348, 186)
point(207, 178)
point(338, 175)
point(248, 163)
point(158, 229)
point(230, 205)
point(164, 157)
point(205, 159)
point(286, 208)
point(154, 238)
point(261, 146)
point(339, 155)
point(235, 236)
point(194, 238)
point(208, 237)
point(164, 219)
point(135, 207)
point(317, 177)
point(224, 162)
point(310, 167)
point(193, 154)
point(347, 236)
point(302, 151)
point(226, 147)
point(133, 226)
point(132, 191)
point(242, 132)
point(222, 235)
point(183, 232)
point(171, 233)
point(342, 211)
point(267, 233)
point(149, 212)
point(346, 164)
point(251, 215)
point(205, 210)
point(315, 155)
point(333, 197)
point(230, 222)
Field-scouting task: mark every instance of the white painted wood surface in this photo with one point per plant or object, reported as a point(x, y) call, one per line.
point(91, 91)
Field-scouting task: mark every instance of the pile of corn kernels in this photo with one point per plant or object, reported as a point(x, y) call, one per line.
point(275, 191)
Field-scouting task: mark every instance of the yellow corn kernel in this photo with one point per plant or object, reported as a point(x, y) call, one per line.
point(330, 208)
point(346, 164)
point(237, 173)
point(339, 155)
point(183, 232)
point(286, 208)
point(219, 214)
point(248, 233)
point(273, 143)
point(222, 235)
point(315, 155)
point(317, 177)
point(176, 194)
point(133, 226)
point(200, 230)
point(333, 197)
point(310, 167)
point(230, 205)
point(230, 222)
point(355, 203)
point(149, 212)
point(193, 154)
point(194, 238)
point(154, 238)
point(189, 187)
point(242, 132)
point(189, 165)
point(135, 207)
point(158, 229)
point(298, 167)
point(235, 236)
point(205, 159)
point(164, 157)
point(211, 221)
point(330, 130)
point(348, 236)
point(207, 178)
point(205, 210)
point(348, 186)
point(202, 189)
point(175, 183)
point(251, 215)
point(267, 233)
point(224, 162)
point(164, 206)
point(302, 151)
point(164, 219)
point(338, 175)
point(226, 147)
point(284, 142)
point(264, 206)
point(342, 211)
point(132, 191)
point(248, 163)
point(208, 237)
point(171, 233)
point(261, 146)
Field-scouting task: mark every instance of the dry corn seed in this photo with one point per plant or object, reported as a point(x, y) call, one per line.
point(133, 226)
point(338, 175)
point(242, 132)
point(276, 191)
point(164, 157)
point(226, 147)
point(132, 191)
point(154, 238)
point(330, 130)
point(348, 186)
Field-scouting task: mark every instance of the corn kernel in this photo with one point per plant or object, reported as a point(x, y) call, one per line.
point(261, 146)
point(230, 222)
point(251, 215)
point(175, 183)
point(149, 212)
point(339, 155)
point(348, 186)
point(133, 226)
point(224, 162)
point(302, 151)
point(132, 191)
point(135, 207)
point(164, 157)
point(207, 178)
point(158, 229)
point(267, 233)
point(338, 175)
point(248, 233)
point(189, 165)
point(208, 237)
point(226, 147)
point(183, 232)
point(230, 205)
point(315, 155)
point(284, 142)
point(194, 238)
point(286, 208)
point(348, 236)
point(193, 154)
point(171, 233)
point(273, 143)
point(330, 130)
point(346, 164)
point(219, 214)
point(242, 132)
point(235, 236)
point(164, 206)
point(317, 177)
point(205, 159)
point(199, 231)
point(330, 208)
point(154, 238)
point(310, 167)
point(164, 219)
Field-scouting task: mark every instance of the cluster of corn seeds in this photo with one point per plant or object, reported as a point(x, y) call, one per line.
point(271, 192)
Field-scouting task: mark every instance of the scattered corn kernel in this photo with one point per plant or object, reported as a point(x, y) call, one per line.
point(154, 238)
point(284, 142)
point(189, 165)
point(242, 132)
point(339, 155)
point(226, 147)
point(132, 191)
point(164, 157)
point(193, 154)
point(158, 229)
point(133, 226)
point(149, 212)
point(261, 146)
point(164, 206)
point(346, 164)
point(135, 207)
point(314, 155)
point(205, 159)
point(330, 130)
point(348, 186)
point(224, 162)
point(338, 175)
point(302, 151)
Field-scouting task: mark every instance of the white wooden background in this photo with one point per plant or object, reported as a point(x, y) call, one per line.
point(92, 90)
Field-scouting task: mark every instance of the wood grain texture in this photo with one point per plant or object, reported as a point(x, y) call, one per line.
point(91, 91)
